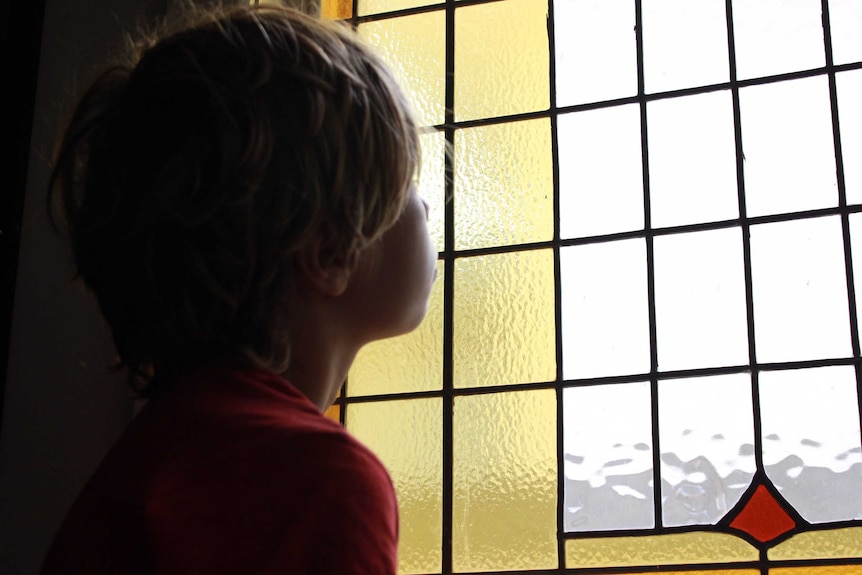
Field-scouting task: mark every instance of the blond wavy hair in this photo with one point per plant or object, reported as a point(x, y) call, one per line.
point(190, 177)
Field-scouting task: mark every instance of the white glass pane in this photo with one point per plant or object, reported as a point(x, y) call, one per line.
point(800, 290)
point(595, 49)
point(601, 185)
point(604, 308)
point(845, 19)
point(692, 160)
point(607, 451)
point(707, 447)
point(685, 44)
point(849, 86)
point(777, 36)
point(700, 300)
point(811, 445)
point(788, 146)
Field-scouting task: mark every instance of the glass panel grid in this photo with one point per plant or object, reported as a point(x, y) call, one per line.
point(650, 222)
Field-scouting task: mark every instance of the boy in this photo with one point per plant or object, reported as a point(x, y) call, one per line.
point(239, 201)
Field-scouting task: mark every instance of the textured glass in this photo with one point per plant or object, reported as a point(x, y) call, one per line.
point(819, 570)
point(604, 309)
point(700, 300)
point(501, 59)
point(505, 481)
point(432, 182)
point(845, 19)
point(777, 36)
point(414, 47)
point(504, 319)
point(707, 447)
point(700, 27)
point(407, 435)
point(811, 445)
point(692, 160)
point(596, 54)
point(601, 186)
point(800, 290)
point(700, 547)
point(411, 362)
point(849, 86)
point(828, 544)
point(504, 185)
point(789, 153)
point(365, 7)
point(334, 412)
point(336, 9)
point(607, 439)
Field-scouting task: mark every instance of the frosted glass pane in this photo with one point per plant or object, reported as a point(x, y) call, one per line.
point(414, 47)
point(845, 19)
point(849, 86)
point(504, 186)
point(700, 300)
point(412, 362)
point(811, 441)
point(413, 456)
point(505, 482)
point(701, 547)
point(707, 443)
point(789, 152)
point(329, 9)
point(604, 309)
point(504, 319)
point(828, 544)
point(501, 59)
point(601, 185)
point(819, 570)
point(692, 160)
point(364, 7)
point(607, 439)
point(777, 36)
point(800, 290)
point(856, 250)
point(596, 54)
point(685, 44)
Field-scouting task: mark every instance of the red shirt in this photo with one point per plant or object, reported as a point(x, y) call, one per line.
point(232, 471)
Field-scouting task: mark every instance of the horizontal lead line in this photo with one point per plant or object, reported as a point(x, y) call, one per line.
point(479, 122)
point(643, 233)
point(617, 379)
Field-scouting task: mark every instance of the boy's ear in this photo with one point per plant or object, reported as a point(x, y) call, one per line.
point(325, 268)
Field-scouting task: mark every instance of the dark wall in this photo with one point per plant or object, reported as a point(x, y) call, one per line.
point(61, 409)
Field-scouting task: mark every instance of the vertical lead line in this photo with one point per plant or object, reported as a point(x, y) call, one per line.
point(558, 322)
point(746, 258)
point(448, 296)
point(650, 261)
point(842, 201)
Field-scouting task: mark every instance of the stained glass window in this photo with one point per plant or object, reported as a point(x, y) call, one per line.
point(642, 354)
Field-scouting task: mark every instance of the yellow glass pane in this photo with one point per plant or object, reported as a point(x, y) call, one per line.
point(819, 570)
point(432, 182)
point(414, 47)
point(365, 7)
point(504, 185)
point(709, 572)
point(407, 436)
point(505, 477)
point(701, 547)
point(412, 362)
point(501, 59)
point(334, 412)
point(829, 544)
point(504, 319)
point(336, 9)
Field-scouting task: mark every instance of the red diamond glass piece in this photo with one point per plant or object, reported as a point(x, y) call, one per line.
point(763, 517)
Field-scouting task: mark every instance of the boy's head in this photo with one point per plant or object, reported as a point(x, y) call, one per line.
point(192, 178)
